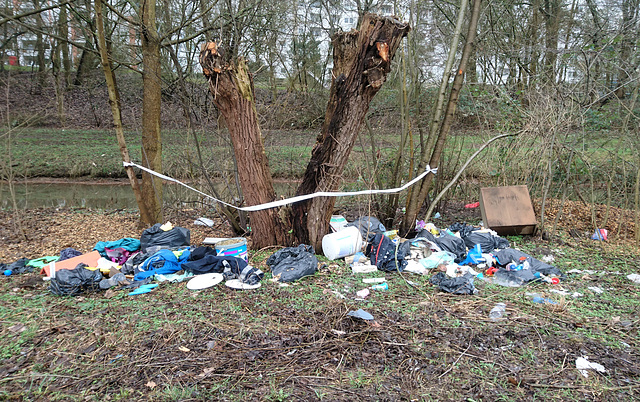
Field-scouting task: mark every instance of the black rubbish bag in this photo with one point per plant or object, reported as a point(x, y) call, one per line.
point(368, 226)
point(447, 242)
point(508, 255)
point(384, 254)
point(18, 267)
point(293, 263)
point(462, 285)
point(72, 282)
point(156, 237)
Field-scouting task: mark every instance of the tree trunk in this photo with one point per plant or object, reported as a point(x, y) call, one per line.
point(420, 192)
point(114, 102)
point(362, 60)
point(231, 84)
point(151, 102)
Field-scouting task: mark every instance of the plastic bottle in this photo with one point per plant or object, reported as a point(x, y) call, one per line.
point(497, 312)
point(506, 278)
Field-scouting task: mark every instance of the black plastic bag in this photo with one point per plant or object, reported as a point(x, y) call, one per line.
point(447, 242)
point(72, 282)
point(156, 237)
point(384, 254)
point(293, 263)
point(18, 267)
point(462, 285)
point(368, 226)
point(508, 255)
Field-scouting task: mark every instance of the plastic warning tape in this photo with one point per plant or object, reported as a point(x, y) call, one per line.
point(280, 203)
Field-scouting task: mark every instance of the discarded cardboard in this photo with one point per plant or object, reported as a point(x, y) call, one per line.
point(91, 259)
point(508, 210)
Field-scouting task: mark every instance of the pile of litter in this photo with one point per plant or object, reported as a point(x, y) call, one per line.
point(454, 257)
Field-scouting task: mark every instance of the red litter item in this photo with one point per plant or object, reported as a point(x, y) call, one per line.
point(491, 270)
point(473, 205)
point(555, 281)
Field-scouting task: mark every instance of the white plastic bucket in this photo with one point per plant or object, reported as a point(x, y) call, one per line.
point(235, 247)
point(340, 244)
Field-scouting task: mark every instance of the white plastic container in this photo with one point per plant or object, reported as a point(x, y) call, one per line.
point(340, 244)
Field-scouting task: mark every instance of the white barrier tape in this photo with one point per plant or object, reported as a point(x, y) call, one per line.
point(291, 200)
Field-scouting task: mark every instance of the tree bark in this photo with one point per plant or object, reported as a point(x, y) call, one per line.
point(420, 192)
point(151, 102)
point(362, 60)
point(231, 84)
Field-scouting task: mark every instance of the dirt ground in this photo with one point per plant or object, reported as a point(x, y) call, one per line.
point(297, 342)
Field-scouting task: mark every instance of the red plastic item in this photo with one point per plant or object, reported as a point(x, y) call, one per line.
point(473, 205)
point(490, 271)
point(555, 281)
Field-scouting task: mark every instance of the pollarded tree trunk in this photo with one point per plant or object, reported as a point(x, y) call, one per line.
point(231, 84)
point(362, 60)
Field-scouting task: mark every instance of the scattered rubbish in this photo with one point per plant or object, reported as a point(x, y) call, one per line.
point(600, 234)
point(337, 222)
point(205, 281)
point(497, 312)
point(204, 222)
point(364, 269)
point(415, 268)
point(462, 285)
point(381, 286)
point(239, 285)
point(211, 344)
point(117, 279)
point(115, 359)
point(360, 313)
point(634, 278)
point(437, 215)
point(363, 294)
point(373, 280)
point(8, 272)
point(536, 298)
point(547, 279)
point(184, 349)
point(583, 365)
point(596, 289)
point(338, 332)
point(420, 224)
point(472, 205)
point(343, 243)
point(144, 289)
point(293, 263)
point(234, 247)
point(437, 258)
point(506, 278)
point(211, 241)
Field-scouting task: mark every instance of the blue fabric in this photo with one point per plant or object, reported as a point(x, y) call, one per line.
point(127, 243)
point(172, 264)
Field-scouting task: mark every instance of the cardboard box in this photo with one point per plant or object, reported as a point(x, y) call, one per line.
point(508, 210)
point(91, 259)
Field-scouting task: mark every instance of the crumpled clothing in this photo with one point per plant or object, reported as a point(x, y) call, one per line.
point(162, 262)
point(127, 243)
point(69, 252)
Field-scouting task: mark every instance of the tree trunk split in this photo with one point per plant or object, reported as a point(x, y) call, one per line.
point(362, 60)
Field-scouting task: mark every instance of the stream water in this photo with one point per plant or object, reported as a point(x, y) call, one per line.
point(100, 196)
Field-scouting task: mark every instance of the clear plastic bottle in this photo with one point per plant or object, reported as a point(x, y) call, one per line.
point(497, 312)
